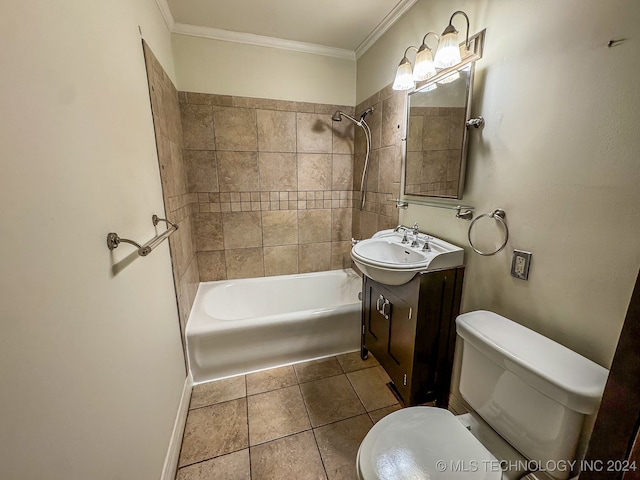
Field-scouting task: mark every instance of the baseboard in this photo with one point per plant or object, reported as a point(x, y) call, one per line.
point(173, 452)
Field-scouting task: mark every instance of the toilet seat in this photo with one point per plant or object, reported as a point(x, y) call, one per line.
point(424, 443)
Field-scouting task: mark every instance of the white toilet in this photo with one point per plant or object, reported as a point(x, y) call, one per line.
point(532, 391)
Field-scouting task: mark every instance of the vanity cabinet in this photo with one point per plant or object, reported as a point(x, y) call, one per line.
point(411, 331)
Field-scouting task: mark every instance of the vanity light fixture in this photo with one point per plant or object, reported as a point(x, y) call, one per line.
point(448, 53)
point(423, 69)
point(404, 75)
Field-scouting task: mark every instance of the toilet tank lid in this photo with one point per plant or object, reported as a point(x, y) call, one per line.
point(551, 368)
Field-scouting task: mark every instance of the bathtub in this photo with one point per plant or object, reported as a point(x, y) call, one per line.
point(246, 325)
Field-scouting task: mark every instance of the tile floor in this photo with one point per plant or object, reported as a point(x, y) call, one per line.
point(299, 422)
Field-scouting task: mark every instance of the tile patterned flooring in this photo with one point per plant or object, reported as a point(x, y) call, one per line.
point(298, 422)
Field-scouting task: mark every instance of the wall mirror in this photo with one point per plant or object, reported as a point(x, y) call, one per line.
point(438, 114)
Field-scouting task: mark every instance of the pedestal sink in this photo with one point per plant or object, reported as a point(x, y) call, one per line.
point(387, 259)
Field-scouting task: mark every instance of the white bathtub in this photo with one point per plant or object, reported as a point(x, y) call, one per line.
point(241, 326)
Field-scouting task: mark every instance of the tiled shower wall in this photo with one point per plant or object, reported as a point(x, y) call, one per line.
point(179, 205)
point(387, 124)
point(267, 187)
point(273, 181)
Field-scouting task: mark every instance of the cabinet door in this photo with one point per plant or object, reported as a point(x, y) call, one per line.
point(401, 345)
point(375, 322)
point(389, 333)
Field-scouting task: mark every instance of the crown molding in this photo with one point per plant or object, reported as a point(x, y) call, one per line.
point(273, 42)
point(394, 15)
point(166, 14)
point(262, 41)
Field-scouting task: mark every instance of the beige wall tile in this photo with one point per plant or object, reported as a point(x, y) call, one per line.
point(314, 226)
point(212, 266)
point(343, 133)
point(202, 171)
point(281, 260)
point(435, 166)
point(341, 224)
point(342, 172)
point(251, 102)
point(414, 138)
point(235, 129)
point(207, 229)
point(314, 171)
point(393, 121)
point(368, 224)
point(373, 170)
point(276, 131)
point(280, 227)
point(436, 133)
point(314, 257)
point(314, 133)
point(388, 173)
point(238, 171)
point(340, 255)
point(278, 171)
point(244, 263)
point(242, 229)
point(197, 127)
point(208, 99)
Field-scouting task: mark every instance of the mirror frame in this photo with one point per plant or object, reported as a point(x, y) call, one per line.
point(476, 47)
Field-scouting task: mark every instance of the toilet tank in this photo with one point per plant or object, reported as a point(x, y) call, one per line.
point(533, 391)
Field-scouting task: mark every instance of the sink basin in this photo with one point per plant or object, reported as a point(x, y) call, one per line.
point(385, 259)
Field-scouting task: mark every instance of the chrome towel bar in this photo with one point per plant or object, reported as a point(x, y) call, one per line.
point(113, 240)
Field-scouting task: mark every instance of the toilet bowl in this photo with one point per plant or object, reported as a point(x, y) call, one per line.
point(422, 443)
point(530, 398)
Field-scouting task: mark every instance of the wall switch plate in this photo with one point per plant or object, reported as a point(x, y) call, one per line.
point(520, 264)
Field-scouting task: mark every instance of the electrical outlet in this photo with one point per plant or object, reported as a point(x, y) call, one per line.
point(520, 264)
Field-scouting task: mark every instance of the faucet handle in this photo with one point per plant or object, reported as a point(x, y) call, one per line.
point(426, 246)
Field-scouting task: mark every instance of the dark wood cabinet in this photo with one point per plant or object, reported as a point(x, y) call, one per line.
point(411, 330)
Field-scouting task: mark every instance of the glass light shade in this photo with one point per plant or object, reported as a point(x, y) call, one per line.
point(448, 53)
point(424, 67)
point(404, 76)
point(450, 78)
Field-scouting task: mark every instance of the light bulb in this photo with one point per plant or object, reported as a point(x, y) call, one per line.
point(424, 67)
point(404, 76)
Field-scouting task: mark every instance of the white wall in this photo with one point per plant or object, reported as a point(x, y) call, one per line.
point(91, 367)
point(559, 153)
point(226, 68)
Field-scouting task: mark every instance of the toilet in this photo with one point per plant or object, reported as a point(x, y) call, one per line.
point(530, 398)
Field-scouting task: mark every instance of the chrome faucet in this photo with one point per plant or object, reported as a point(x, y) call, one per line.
point(426, 247)
point(415, 232)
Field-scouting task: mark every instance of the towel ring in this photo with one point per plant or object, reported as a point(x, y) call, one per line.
point(499, 215)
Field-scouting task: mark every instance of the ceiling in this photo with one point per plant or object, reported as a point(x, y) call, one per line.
point(339, 25)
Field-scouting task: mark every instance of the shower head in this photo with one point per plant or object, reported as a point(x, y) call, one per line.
point(337, 117)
